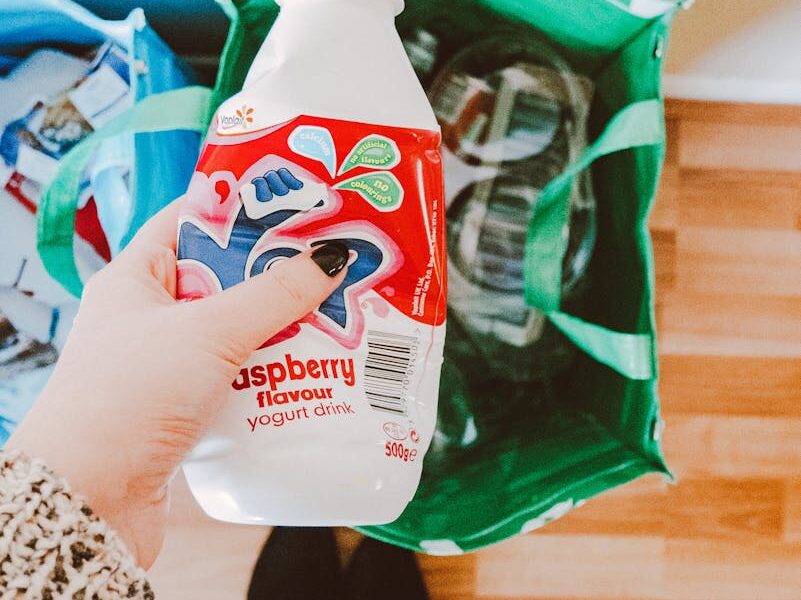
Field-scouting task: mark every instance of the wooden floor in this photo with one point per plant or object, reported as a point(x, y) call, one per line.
point(727, 233)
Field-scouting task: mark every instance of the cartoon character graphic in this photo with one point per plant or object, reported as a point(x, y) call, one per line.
point(246, 231)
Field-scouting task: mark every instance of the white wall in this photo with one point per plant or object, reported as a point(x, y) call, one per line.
point(741, 51)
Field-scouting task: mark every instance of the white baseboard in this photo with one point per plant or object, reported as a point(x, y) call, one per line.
point(719, 89)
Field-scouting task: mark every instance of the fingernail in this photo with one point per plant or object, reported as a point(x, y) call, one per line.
point(331, 257)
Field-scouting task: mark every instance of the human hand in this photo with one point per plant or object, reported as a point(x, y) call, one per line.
point(142, 376)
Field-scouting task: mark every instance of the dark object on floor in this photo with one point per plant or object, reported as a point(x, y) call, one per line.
point(298, 563)
point(302, 563)
point(380, 571)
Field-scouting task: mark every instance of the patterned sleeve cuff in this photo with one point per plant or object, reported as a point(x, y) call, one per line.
point(53, 546)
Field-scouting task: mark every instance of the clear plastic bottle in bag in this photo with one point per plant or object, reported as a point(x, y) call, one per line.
point(513, 116)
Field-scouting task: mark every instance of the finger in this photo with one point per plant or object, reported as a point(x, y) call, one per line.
point(152, 251)
point(161, 229)
point(250, 313)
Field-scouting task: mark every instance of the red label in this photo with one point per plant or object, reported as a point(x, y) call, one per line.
point(258, 198)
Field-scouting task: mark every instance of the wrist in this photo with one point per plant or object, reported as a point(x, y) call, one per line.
point(79, 550)
point(70, 452)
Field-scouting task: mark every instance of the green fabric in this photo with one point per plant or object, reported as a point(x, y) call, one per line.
point(509, 484)
point(251, 21)
point(183, 109)
point(630, 355)
point(624, 292)
point(598, 27)
point(638, 124)
point(596, 427)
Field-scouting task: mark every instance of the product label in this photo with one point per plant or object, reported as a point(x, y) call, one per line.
point(367, 360)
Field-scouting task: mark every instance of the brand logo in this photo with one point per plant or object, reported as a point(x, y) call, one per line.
point(241, 118)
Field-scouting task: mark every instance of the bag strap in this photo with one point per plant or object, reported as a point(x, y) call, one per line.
point(188, 109)
point(638, 124)
point(182, 109)
point(630, 354)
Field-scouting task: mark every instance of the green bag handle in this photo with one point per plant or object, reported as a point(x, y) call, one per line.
point(182, 109)
point(188, 109)
point(638, 124)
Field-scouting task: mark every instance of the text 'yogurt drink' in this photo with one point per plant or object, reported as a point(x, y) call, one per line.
point(331, 139)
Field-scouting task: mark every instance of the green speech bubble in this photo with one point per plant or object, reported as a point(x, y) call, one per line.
point(375, 152)
point(382, 190)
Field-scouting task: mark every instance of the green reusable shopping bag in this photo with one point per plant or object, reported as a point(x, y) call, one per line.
point(509, 457)
point(548, 447)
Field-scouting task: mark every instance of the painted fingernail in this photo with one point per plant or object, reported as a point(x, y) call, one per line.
point(331, 257)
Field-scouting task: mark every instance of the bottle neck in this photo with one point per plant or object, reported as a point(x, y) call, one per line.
point(341, 59)
point(396, 6)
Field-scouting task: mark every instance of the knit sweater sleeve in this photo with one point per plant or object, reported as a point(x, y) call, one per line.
point(53, 546)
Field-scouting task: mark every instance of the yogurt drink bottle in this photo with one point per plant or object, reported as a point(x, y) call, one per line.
point(331, 139)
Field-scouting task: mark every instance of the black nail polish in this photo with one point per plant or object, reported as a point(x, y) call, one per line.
point(331, 257)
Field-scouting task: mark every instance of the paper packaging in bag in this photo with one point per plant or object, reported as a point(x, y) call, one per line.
point(331, 139)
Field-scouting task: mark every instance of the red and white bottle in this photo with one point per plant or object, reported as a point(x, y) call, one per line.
point(331, 138)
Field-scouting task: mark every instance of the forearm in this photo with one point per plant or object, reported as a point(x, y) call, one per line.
point(52, 545)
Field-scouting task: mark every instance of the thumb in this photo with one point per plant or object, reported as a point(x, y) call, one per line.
point(245, 316)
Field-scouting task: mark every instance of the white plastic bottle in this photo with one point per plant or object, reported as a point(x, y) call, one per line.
point(331, 138)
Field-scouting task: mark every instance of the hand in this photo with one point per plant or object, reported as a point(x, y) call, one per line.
point(142, 376)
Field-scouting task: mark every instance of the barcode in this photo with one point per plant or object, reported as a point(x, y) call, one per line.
point(389, 364)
